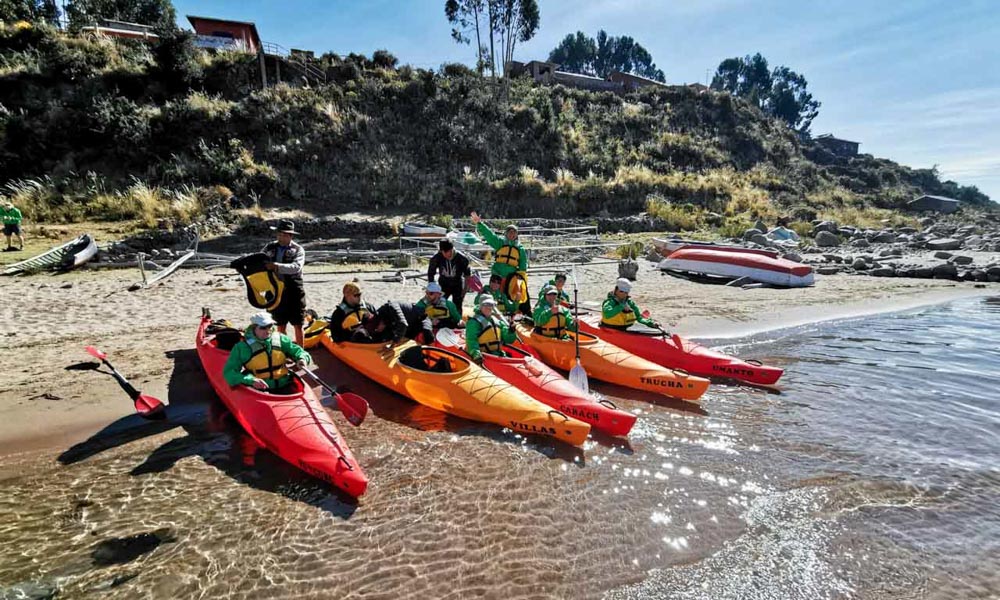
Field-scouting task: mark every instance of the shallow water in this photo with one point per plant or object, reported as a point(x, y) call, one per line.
point(874, 474)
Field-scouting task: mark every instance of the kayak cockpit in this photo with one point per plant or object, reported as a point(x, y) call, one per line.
point(433, 360)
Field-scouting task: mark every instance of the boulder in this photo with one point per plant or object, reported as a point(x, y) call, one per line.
point(760, 239)
point(944, 244)
point(978, 275)
point(993, 271)
point(884, 237)
point(830, 226)
point(749, 233)
point(943, 255)
point(859, 264)
point(891, 252)
point(883, 272)
point(961, 260)
point(923, 272)
point(834, 258)
point(831, 270)
point(945, 271)
point(792, 256)
point(847, 231)
point(927, 221)
point(825, 239)
point(860, 243)
point(760, 226)
point(906, 230)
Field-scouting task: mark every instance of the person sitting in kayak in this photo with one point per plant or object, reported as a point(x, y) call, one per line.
point(620, 312)
point(558, 282)
point(511, 261)
point(551, 318)
point(348, 319)
point(495, 291)
point(441, 312)
point(485, 332)
point(258, 360)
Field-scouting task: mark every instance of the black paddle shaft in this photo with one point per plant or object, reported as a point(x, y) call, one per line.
point(131, 391)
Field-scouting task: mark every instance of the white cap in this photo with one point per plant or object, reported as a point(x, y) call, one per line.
point(549, 289)
point(624, 285)
point(434, 287)
point(488, 301)
point(261, 319)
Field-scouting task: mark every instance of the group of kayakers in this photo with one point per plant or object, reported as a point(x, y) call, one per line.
point(260, 360)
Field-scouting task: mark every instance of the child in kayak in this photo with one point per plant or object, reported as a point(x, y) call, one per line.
point(551, 318)
point(620, 312)
point(259, 359)
point(441, 312)
point(485, 332)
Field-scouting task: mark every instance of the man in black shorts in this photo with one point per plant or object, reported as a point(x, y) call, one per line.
point(287, 260)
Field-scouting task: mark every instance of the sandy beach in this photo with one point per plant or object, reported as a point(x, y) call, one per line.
point(48, 319)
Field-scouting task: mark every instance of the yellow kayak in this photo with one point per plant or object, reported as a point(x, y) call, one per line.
point(453, 384)
point(610, 363)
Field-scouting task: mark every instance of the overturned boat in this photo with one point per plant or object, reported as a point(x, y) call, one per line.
point(68, 256)
point(758, 265)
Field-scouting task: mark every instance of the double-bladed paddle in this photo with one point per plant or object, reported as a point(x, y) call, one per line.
point(354, 407)
point(148, 407)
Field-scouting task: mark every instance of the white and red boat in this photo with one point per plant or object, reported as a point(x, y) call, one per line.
point(758, 265)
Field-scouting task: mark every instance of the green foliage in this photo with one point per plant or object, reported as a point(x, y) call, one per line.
point(155, 13)
point(581, 54)
point(28, 10)
point(781, 93)
point(490, 23)
point(678, 218)
point(631, 250)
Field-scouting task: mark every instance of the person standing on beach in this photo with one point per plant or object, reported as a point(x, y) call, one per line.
point(510, 262)
point(287, 260)
point(451, 267)
point(619, 311)
point(11, 217)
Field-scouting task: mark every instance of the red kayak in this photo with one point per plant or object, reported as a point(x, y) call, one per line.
point(538, 380)
point(677, 353)
point(295, 427)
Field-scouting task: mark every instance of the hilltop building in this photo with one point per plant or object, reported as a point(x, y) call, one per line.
point(838, 146)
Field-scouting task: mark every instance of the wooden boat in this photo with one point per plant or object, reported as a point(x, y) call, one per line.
point(68, 256)
point(413, 229)
point(724, 263)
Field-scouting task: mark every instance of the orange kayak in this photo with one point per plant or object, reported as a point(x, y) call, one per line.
point(452, 383)
point(610, 363)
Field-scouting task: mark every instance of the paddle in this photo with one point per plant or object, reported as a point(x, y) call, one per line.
point(673, 336)
point(354, 407)
point(578, 375)
point(148, 407)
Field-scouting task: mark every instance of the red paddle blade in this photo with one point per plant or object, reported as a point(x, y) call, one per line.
point(95, 353)
point(354, 407)
point(149, 407)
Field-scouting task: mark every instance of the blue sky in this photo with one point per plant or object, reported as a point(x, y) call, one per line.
point(916, 81)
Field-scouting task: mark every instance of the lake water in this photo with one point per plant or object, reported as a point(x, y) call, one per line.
point(874, 474)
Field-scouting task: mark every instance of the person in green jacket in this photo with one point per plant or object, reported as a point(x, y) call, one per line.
point(620, 312)
point(558, 282)
point(551, 318)
point(441, 311)
point(11, 218)
point(510, 261)
point(258, 360)
point(495, 291)
point(485, 332)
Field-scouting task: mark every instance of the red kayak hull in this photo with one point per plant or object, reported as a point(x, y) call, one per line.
point(678, 353)
point(542, 383)
point(295, 427)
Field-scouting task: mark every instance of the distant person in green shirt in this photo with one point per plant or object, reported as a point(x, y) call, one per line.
point(509, 262)
point(558, 282)
point(495, 291)
point(620, 312)
point(441, 312)
point(551, 318)
point(485, 332)
point(258, 360)
point(11, 218)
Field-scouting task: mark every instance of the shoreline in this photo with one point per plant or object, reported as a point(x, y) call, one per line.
point(46, 406)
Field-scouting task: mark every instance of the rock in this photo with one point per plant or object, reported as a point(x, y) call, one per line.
point(993, 270)
point(906, 230)
point(654, 256)
point(749, 233)
point(891, 252)
point(760, 226)
point(944, 244)
point(847, 231)
point(828, 270)
point(860, 243)
point(992, 278)
point(943, 255)
point(923, 272)
point(868, 258)
point(66, 285)
point(830, 226)
point(825, 239)
point(793, 257)
point(834, 258)
point(978, 275)
point(961, 260)
point(883, 272)
point(760, 239)
point(859, 264)
point(884, 237)
point(945, 271)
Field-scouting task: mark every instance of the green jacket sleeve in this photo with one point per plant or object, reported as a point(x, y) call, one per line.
point(472, 331)
point(453, 311)
point(611, 308)
point(522, 258)
point(488, 235)
point(293, 350)
point(421, 304)
point(507, 334)
point(638, 314)
point(542, 314)
point(233, 371)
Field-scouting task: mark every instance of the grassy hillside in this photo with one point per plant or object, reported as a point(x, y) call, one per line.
point(94, 128)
